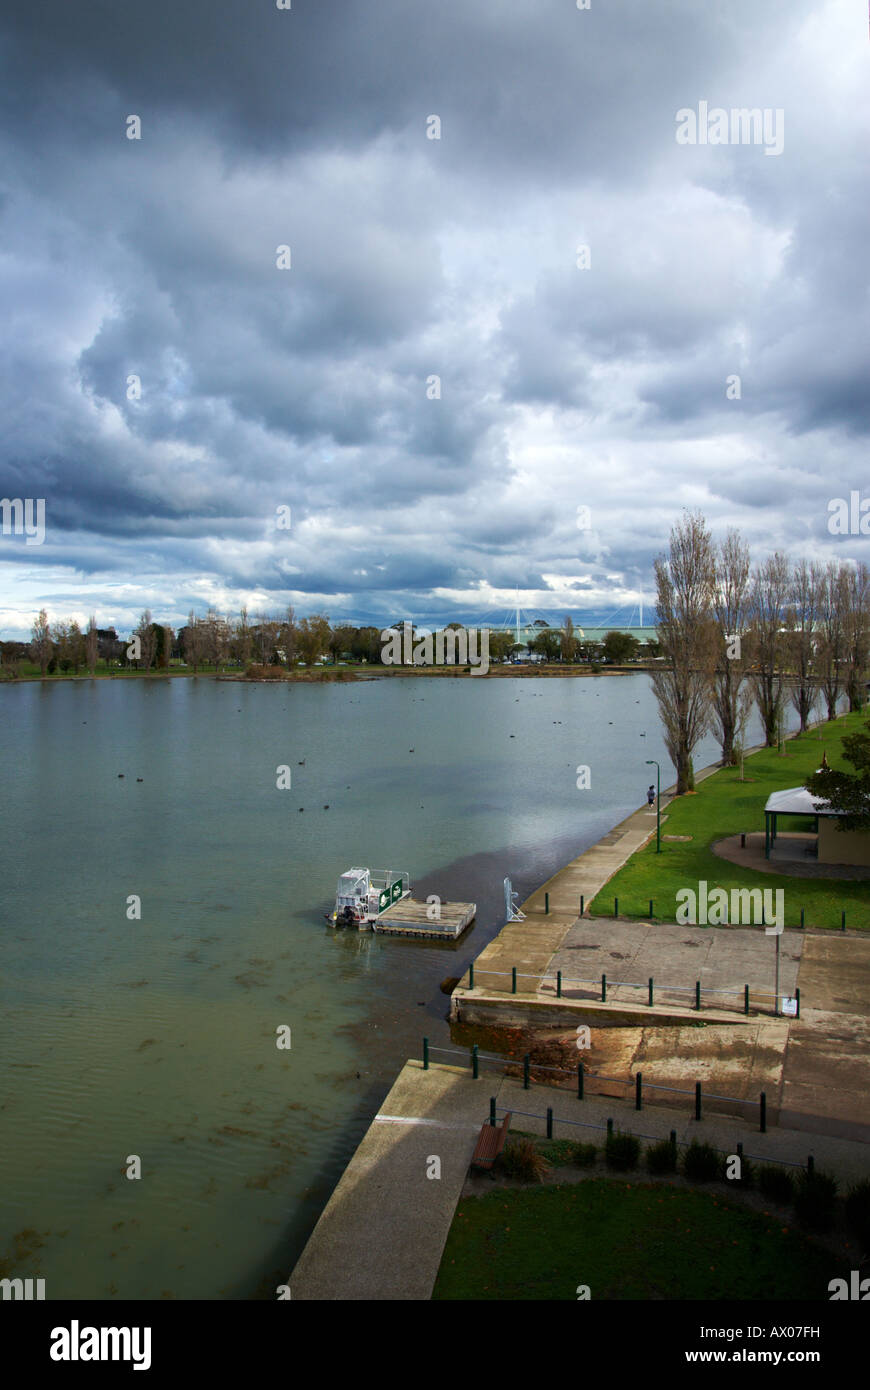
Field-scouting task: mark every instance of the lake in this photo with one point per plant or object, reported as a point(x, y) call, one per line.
point(156, 1038)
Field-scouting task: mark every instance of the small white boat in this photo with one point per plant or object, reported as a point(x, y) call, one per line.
point(363, 894)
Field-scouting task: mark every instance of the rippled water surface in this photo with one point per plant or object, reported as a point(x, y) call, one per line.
point(157, 1037)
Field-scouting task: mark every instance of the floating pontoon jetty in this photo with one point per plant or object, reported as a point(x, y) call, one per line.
point(412, 918)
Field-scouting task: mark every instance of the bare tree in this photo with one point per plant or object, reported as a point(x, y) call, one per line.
point(289, 635)
point(243, 640)
point(76, 646)
point(266, 635)
point(767, 603)
point(686, 632)
point(216, 638)
point(569, 641)
point(91, 645)
point(147, 639)
point(192, 641)
point(731, 613)
point(802, 614)
point(41, 646)
point(856, 634)
point(831, 647)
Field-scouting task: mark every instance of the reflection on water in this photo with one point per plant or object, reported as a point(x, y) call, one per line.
point(156, 1037)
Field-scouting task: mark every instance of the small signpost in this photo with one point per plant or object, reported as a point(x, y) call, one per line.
point(789, 1006)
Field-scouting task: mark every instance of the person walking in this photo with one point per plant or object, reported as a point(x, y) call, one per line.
point(651, 795)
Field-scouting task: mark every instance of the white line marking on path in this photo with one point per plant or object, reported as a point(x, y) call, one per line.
point(418, 1120)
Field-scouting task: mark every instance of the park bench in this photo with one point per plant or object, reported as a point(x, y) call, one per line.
point(490, 1142)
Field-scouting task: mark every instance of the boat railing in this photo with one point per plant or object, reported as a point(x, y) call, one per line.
point(387, 878)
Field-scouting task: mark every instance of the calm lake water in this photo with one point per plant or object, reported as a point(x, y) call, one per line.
point(157, 1037)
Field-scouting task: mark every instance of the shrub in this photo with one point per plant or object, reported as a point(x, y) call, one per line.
point(776, 1183)
point(661, 1157)
point(622, 1151)
point(701, 1162)
point(520, 1159)
point(815, 1200)
point(858, 1212)
point(258, 672)
point(585, 1155)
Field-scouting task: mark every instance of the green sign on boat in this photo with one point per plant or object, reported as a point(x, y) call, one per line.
point(390, 895)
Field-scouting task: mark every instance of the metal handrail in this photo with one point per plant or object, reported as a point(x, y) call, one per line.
point(657, 1138)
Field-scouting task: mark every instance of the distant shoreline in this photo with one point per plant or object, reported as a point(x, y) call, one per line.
point(338, 675)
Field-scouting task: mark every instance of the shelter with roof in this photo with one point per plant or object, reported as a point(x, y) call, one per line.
point(832, 845)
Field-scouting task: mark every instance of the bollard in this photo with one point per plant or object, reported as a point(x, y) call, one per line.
point(797, 995)
point(558, 984)
point(843, 920)
point(582, 909)
point(610, 1129)
point(546, 902)
point(638, 1091)
point(650, 907)
point(650, 990)
point(526, 1060)
point(742, 841)
point(474, 1063)
point(746, 999)
point(763, 1108)
point(579, 1080)
point(425, 1054)
point(471, 975)
point(811, 1165)
point(492, 1110)
point(802, 919)
point(604, 989)
point(513, 979)
point(697, 994)
point(697, 1100)
point(616, 907)
point(549, 1122)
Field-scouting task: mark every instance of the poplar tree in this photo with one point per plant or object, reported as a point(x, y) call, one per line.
point(41, 646)
point(731, 700)
point(687, 635)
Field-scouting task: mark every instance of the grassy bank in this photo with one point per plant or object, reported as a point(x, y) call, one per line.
point(29, 671)
point(625, 1241)
point(722, 806)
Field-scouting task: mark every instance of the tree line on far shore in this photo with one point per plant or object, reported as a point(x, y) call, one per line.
point(734, 635)
point(214, 641)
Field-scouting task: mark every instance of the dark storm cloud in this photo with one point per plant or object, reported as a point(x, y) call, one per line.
point(525, 84)
point(416, 259)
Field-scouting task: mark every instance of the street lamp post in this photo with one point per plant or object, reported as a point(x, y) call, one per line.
point(652, 762)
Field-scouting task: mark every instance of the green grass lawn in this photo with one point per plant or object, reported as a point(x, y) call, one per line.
point(723, 805)
point(626, 1241)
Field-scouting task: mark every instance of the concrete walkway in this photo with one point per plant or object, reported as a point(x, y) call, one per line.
point(383, 1231)
point(531, 945)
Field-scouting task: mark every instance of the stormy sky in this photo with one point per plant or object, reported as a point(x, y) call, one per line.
point(566, 379)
